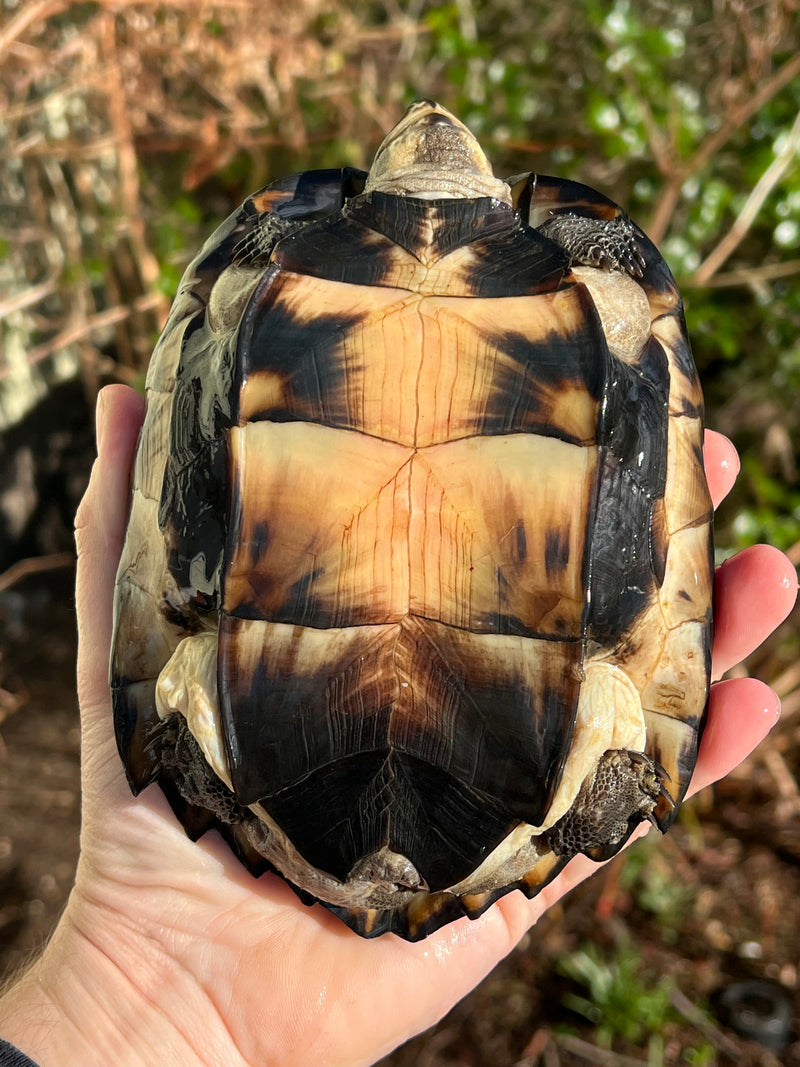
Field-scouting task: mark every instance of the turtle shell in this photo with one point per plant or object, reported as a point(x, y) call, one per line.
point(415, 599)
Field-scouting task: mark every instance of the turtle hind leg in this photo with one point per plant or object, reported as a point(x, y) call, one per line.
point(622, 792)
point(201, 801)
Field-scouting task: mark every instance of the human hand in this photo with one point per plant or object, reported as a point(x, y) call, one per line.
point(170, 952)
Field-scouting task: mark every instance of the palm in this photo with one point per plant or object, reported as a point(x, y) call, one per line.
point(287, 983)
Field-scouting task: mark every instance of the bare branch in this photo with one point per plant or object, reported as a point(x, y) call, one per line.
point(126, 155)
point(697, 1018)
point(594, 1054)
point(35, 565)
point(771, 87)
point(43, 9)
point(713, 143)
point(752, 277)
point(662, 216)
point(755, 201)
point(29, 296)
point(80, 331)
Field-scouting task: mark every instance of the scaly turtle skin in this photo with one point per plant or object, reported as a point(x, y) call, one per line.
point(415, 600)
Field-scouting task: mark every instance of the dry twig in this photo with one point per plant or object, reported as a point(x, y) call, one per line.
point(755, 201)
point(593, 1054)
point(35, 565)
point(678, 173)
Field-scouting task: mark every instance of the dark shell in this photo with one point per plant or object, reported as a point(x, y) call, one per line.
point(420, 495)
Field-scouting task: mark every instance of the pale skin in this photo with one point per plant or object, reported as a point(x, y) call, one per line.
point(169, 952)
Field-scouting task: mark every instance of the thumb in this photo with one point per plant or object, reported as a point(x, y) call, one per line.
point(99, 532)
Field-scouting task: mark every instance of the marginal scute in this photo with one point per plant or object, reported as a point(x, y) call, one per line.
point(685, 397)
point(678, 685)
point(541, 873)
point(166, 357)
point(148, 472)
point(415, 598)
point(145, 590)
point(673, 743)
point(683, 594)
point(686, 495)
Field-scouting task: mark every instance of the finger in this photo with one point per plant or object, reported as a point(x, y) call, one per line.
point(754, 591)
point(99, 530)
point(741, 712)
point(721, 461)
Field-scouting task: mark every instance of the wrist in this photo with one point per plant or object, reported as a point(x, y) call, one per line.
point(89, 1001)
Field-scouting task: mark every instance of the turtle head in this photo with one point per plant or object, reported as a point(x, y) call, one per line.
point(431, 155)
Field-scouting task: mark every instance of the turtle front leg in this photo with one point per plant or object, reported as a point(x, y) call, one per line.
point(609, 244)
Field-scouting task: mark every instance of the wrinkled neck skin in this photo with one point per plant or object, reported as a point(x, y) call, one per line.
point(430, 155)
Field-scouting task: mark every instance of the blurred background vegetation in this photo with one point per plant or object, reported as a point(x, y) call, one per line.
point(128, 130)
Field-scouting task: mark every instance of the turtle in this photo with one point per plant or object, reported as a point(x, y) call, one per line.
point(414, 603)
